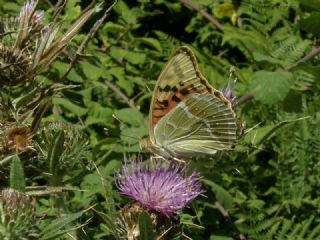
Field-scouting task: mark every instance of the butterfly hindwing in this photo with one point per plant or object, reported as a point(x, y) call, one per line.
point(202, 124)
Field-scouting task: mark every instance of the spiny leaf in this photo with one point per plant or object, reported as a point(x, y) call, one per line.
point(17, 178)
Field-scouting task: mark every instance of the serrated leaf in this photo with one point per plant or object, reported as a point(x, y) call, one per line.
point(17, 178)
point(270, 87)
point(262, 57)
point(130, 116)
point(98, 114)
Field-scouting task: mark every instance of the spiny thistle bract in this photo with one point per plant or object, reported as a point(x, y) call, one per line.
point(17, 216)
point(127, 224)
point(28, 47)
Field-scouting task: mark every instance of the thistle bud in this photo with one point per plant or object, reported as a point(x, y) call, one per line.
point(14, 66)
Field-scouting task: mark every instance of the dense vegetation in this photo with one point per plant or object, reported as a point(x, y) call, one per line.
point(90, 108)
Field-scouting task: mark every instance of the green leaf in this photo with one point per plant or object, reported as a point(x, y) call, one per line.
point(17, 178)
point(151, 42)
point(130, 116)
point(113, 27)
point(270, 87)
point(259, 57)
point(311, 23)
point(58, 227)
point(135, 57)
point(98, 114)
point(132, 135)
point(221, 194)
point(55, 151)
point(70, 106)
point(92, 72)
point(145, 227)
point(313, 4)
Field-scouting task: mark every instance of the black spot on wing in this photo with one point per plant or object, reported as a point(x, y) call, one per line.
point(174, 89)
point(167, 88)
point(176, 99)
point(184, 92)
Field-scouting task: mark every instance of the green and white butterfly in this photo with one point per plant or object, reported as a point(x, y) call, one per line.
point(188, 117)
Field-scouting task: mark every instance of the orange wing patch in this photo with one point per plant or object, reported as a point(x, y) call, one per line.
point(172, 98)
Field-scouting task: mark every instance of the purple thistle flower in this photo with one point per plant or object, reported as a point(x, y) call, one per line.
point(28, 8)
point(228, 90)
point(162, 188)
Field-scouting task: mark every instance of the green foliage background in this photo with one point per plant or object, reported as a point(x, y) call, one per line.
point(269, 185)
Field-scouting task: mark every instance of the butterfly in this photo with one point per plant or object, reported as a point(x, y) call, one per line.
point(188, 117)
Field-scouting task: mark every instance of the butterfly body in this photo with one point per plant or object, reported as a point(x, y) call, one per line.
point(188, 117)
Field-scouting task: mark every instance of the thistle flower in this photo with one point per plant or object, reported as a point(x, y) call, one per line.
point(17, 216)
point(228, 90)
point(162, 188)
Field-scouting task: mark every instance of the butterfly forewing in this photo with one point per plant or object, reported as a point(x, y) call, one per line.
point(188, 117)
point(179, 79)
point(202, 124)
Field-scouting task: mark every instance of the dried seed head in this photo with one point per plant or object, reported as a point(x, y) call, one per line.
point(14, 66)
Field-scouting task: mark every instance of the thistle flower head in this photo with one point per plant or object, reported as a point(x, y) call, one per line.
point(14, 66)
point(162, 188)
